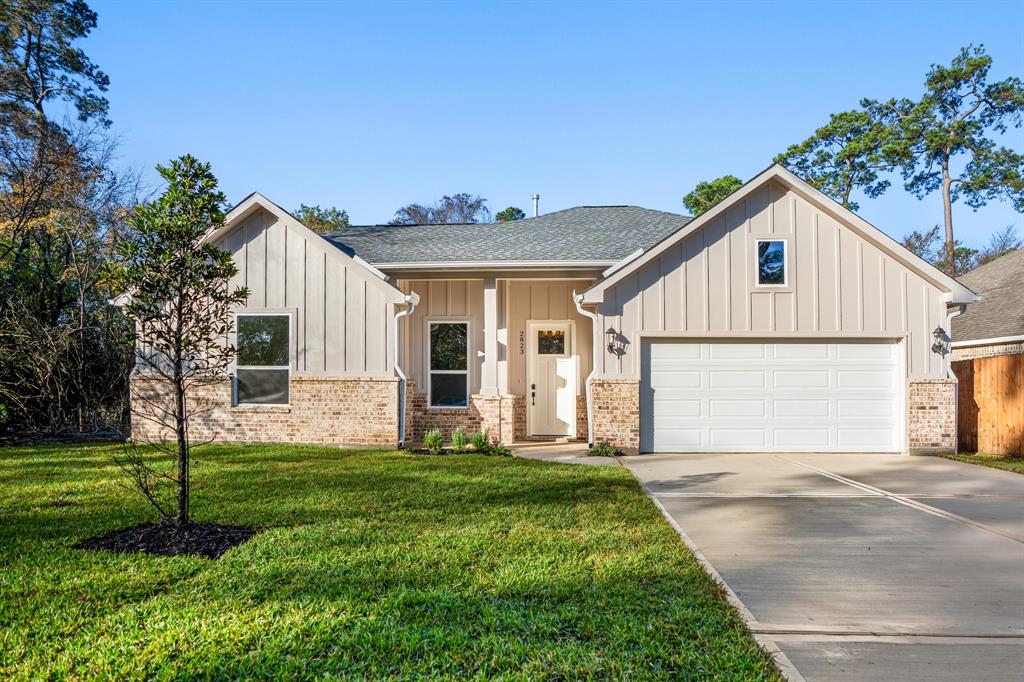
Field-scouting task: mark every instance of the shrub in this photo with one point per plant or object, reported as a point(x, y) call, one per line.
point(604, 449)
point(459, 440)
point(479, 441)
point(433, 441)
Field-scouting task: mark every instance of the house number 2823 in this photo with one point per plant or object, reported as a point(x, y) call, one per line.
point(522, 343)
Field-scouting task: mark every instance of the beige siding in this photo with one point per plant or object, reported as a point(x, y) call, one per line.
point(838, 283)
point(518, 302)
point(341, 310)
point(442, 299)
point(539, 300)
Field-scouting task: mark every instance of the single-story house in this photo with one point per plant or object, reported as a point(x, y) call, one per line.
point(776, 321)
point(988, 359)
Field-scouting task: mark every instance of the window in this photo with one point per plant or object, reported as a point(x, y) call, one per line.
point(550, 342)
point(449, 364)
point(262, 365)
point(771, 263)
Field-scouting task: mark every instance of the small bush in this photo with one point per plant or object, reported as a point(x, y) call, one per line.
point(604, 449)
point(479, 441)
point(459, 440)
point(433, 441)
point(499, 451)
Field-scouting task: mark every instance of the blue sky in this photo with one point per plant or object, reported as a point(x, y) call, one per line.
point(371, 106)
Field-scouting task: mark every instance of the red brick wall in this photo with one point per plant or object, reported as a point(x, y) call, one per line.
point(616, 405)
point(931, 416)
point(328, 410)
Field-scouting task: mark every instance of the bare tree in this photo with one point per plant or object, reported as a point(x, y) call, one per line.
point(457, 208)
point(177, 286)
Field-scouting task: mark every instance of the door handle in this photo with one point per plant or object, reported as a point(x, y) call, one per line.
point(533, 397)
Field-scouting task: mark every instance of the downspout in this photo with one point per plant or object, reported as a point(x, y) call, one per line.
point(410, 304)
point(578, 300)
point(949, 374)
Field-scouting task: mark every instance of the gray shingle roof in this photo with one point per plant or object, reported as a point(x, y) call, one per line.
point(584, 233)
point(1000, 312)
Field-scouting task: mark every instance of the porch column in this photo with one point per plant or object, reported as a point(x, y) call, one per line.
point(489, 380)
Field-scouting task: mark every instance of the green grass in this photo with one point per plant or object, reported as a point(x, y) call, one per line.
point(371, 565)
point(1004, 462)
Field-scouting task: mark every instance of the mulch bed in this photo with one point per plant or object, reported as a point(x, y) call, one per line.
point(210, 540)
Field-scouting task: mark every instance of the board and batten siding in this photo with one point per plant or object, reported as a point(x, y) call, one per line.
point(518, 302)
point(442, 299)
point(342, 310)
point(838, 284)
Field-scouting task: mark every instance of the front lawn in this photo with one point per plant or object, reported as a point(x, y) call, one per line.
point(370, 565)
point(1005, 462)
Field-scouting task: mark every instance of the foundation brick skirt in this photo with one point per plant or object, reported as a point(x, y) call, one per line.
point(616, 404)
point(322, 410)
point(502, 416)
point(931, 416)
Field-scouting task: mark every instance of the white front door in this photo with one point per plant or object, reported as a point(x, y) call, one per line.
point(551, 390)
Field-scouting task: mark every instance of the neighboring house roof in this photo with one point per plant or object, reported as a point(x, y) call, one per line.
point(958, 293)
point(1000, 312)
point(592, 235)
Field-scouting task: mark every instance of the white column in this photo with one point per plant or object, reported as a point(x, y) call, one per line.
point(489, 380)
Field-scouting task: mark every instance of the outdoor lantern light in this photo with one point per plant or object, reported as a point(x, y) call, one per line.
point(942, 342)
point(612, 335)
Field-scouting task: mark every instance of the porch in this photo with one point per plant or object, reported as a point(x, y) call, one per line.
point(509, 355)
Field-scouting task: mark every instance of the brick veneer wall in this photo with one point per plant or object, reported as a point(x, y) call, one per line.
point(931, 416)
point(503, 416)
point(327, 410)
point(972, 352)
point(616, 405)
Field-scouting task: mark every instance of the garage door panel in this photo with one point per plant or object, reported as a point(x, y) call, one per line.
point(747, 378)
point(801, 379)
point(814, 407)
point(802, 438)
point(738, 408)
point(756, 396)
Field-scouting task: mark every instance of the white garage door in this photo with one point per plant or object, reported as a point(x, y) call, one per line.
point(770, 397)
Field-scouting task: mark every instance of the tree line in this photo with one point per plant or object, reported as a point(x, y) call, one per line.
point(946, 141)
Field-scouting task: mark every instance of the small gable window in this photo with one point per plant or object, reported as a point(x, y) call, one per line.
point(262, 366)
point(771, 263)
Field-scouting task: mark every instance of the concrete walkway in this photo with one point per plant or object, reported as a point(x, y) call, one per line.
point(860, 567)
point(566, 453)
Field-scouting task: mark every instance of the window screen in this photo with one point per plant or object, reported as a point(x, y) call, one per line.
point(449, 364)
point(263, 349)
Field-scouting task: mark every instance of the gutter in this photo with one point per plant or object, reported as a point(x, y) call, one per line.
point(410, 305)
point(960, 309)
point(988, 342)
point(508, 265)
point(578, 300)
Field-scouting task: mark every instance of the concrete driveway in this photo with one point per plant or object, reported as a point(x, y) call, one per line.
point(860, 567)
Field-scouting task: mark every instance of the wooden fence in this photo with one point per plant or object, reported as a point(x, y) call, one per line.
point(990, 416)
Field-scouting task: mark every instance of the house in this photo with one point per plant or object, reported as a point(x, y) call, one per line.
point(988, 359)
point(776, 321)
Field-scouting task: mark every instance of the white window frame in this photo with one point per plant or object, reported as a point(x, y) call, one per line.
point(431, 372)
point(785, 263)
point(234, 377)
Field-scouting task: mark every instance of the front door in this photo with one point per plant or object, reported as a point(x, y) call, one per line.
point(551, 397)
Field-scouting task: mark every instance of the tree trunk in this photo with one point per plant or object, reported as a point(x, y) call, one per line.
point(947, 214)
point(179, 410)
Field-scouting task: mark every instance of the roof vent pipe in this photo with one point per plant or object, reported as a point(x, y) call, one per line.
point(536, 205)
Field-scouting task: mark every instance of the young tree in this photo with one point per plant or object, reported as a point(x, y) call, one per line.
point(510, 214)
point(707, 194)
point(179, 297)
point(842, 156)
point(954, 122)
point(322, 220)
point(457, 208)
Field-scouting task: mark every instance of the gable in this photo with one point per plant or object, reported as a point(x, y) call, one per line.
point(778, 176)
point(342, 308)
point(839, 283)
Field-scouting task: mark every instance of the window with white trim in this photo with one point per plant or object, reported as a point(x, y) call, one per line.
point(449, 364)
point(262, 358)
point(771, 263)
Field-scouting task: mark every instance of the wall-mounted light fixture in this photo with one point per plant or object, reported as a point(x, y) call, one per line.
point(612, 336)
point(942, 343)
